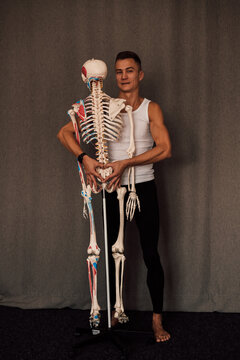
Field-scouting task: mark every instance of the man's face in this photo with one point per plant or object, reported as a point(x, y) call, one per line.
point(128, 75)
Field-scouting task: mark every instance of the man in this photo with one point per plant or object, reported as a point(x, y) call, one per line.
point(149, 129)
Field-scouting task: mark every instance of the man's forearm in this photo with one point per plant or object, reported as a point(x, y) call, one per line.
point(68, 140)
point(154, 155)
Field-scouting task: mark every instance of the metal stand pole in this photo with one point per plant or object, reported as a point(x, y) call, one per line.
point(106, 259)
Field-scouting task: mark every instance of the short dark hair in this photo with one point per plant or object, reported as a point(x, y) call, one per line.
point(129, 55)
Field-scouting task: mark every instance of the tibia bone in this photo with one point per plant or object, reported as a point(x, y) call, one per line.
point(94, 318)
point(119, 309)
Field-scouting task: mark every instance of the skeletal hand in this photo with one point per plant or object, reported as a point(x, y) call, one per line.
point(131, 205)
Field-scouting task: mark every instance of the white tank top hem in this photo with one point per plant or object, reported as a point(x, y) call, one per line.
point(143, 143)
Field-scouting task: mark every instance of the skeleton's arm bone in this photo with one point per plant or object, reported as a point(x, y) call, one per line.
point(131, 149)
point(133, 200)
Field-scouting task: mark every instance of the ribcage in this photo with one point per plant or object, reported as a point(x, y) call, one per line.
point(98, 126)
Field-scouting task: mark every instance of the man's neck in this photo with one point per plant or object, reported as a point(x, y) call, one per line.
point(132, 98)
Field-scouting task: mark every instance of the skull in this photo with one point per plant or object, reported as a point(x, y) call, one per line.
point(94, 70)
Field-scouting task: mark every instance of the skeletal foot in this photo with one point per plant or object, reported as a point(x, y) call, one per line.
point(94, 320)
point(160, 334)
point(121, 318)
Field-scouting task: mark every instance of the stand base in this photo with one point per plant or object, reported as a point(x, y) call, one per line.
point(118, 337)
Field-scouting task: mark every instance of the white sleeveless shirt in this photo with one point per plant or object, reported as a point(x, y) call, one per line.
point(143, 142)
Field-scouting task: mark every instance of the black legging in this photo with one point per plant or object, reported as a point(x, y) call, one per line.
point(147, 221)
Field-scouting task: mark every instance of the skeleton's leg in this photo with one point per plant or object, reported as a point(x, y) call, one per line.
point(119, 258)
point(92, 260)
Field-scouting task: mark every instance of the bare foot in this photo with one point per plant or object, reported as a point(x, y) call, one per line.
point(159, 333)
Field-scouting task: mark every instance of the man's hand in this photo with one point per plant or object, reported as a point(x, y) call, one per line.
point(90, 166)
point(118, 168)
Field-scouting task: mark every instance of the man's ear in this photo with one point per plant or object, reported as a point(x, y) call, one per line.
point(141, 75)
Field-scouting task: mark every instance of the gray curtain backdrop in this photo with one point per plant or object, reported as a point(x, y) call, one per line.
point(190, 54)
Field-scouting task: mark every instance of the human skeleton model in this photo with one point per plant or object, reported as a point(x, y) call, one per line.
point(100, 121)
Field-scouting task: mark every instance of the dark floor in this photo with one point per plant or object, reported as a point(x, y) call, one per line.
point(49, 335)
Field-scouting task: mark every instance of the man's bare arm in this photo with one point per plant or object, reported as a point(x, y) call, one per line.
point(161, 151)
point(67, 138)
